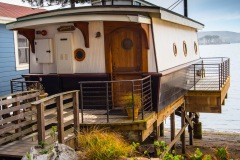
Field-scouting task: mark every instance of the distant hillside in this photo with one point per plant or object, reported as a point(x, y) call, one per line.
point(218, 37)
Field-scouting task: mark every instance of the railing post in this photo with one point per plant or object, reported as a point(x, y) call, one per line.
point(194, 73)
point(11, 82)
point(40, 122)
point(133, 106)
point(60, 119)
point(150, 85)
point(22, 86)
point(81, 99)
point(107, 104)
point(19, 120)
point(142, 99)
point(76, 111)
point(219, 75)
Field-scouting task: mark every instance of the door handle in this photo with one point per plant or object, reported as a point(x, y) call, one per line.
point(48, 51)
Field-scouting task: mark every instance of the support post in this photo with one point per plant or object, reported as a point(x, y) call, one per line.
point(76, 111)
point(190, 131)
point(172, 118)
point(162, 129)
point(157, 129)
point(197, 128)
point(60, 119)
point(40, 122)
point(182, 125)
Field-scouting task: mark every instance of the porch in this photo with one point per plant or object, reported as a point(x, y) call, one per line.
point(211, 81)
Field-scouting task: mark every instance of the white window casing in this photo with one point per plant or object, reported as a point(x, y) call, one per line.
point(19, 66)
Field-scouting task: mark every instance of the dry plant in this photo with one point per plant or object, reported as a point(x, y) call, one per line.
point(99, 144)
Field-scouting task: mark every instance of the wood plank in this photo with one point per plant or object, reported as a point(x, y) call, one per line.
point(16, 126)
point(76, 111)
point(40, 122)
point(15, 108)
point(16, 117)
point(14, 136)
point(21, 98)
point(60, 119)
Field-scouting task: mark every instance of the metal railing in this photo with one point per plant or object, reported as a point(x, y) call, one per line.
point(210, 73)
point(20, 85)
point(115, 96)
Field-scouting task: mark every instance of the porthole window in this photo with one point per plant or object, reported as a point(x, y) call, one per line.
point(185, 48)
point(127, 43)
point(195, 48)
point(79, 54)
point(174, 49)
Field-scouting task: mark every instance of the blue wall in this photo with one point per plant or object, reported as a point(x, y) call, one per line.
point(7, 60)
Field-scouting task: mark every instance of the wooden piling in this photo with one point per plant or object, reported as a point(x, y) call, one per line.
point(183, 124)
point(172, 118)
point(162, 129)
point(190, 131)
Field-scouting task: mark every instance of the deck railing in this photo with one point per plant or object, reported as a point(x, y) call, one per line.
point(211, 73)
point(115, 96)
point(20, 85)
point(62, 111)
point(16, 116)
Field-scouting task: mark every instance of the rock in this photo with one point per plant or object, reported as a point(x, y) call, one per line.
point(58, 152)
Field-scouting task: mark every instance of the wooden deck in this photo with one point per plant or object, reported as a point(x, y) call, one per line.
point(207, 83)
point(17, 149)
point(207, 99)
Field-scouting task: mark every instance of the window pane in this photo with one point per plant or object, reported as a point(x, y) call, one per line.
point(22, 41)
point(23, 49)
point(23, 55)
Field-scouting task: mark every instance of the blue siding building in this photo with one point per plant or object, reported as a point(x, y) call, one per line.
point(14, 48)
point(8, 68)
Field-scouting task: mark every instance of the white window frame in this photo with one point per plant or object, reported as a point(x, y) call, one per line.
point(22, 66)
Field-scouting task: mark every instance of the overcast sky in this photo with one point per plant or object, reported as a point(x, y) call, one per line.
point(217, 15)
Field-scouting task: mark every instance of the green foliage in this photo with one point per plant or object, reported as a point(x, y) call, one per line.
point(197, 155)
point(53, 132)
point(207, 157)
point(42, 144)
point(44, 151)
point(127, 100)
point(222, 153)
point(99, 144)
point(28, 156)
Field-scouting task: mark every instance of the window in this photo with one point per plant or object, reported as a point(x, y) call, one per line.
point(175, 49)
point(21, 51)
point(185, 48)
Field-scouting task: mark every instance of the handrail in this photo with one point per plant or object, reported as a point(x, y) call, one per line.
point(64, 104)
point(16, 115)
point(20, 84)
point(116, 94)
point(211, 73)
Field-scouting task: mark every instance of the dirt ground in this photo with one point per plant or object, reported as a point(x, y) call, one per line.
point(209, 141)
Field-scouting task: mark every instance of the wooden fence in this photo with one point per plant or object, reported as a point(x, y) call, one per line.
point(62, 111)
point(16, 116)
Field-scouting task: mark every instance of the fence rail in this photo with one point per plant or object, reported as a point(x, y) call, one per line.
point(63, 112)
point(210, 74)
point(17, 117)
point(114, 96)
point(20, 85)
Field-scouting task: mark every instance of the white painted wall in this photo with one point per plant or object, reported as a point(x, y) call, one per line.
point(94, 61)
point(167, 33)
point(151, 55)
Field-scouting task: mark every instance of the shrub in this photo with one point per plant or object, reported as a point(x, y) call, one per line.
point(222, 153)
point(99, 144)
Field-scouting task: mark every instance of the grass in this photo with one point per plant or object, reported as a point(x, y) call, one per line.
point(99, 144)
